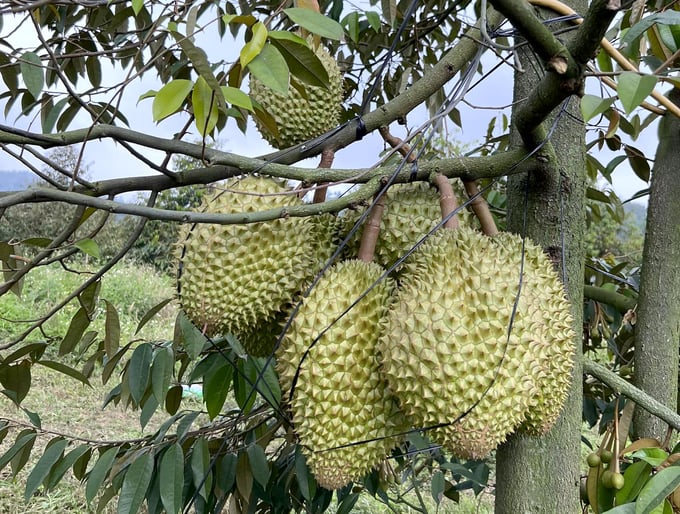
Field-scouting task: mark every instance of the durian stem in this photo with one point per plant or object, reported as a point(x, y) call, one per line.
point(398, 144)
point(447, 200)
point(481, 208)
point(327, 156)
point(369, 237)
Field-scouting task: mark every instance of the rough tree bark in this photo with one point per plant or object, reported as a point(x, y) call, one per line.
point(657, 332)
point(536, 475)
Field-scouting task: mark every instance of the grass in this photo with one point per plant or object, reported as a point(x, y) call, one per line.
point(69, 407)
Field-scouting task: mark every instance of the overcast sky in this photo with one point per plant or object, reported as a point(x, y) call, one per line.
point(108, 160)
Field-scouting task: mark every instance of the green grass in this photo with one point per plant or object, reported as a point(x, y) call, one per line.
point(69, 407)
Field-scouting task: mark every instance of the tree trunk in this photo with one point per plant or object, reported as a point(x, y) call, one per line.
point(537, 475)
point(657, 332)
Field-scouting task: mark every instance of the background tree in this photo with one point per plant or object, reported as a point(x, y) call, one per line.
point(395, 58)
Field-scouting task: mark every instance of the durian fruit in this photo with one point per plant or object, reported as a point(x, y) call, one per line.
point(234, 278)
point(447, 353)
point(548, 319)
point(344, 416)
point(300, 117)
point(411, 211)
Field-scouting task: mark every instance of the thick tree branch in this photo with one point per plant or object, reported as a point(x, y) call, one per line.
point(642, 399)
point(620, 302)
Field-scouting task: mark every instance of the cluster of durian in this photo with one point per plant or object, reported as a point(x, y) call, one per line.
point(474, 340)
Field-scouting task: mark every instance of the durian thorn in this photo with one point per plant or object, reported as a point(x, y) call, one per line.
point(398, 144)
point(369, 237)
point(480, 208)
point(447, 200)
point(327, 156)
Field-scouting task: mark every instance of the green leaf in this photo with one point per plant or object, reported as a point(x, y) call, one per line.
point(135, 484)
point(627, 508)
point(76, 329)
point(303, 63)
point(89, 247)
point(137, 6)
point(348, 503)
point(161, 372)
point(216, 386)
point(200, 467)
point(41, 470)
point(61, 467)
point(89, 296)
point(170, 98)
point(655, 491)
point(148, 409)
point(668, 17)
point(633, 88)
point(172, 478)
point(33, 417)
point(244, 477)
point(111, 364)
point(151, 313)
point(258, 464)
point(253, 47)
point(205, 107)
point(94, 70)
point(16, 379)
point(66, 370)
point(270, 68)
point(97, 474)
point(226, 471)
point(653, 456)
point(24, 438)
point(592, 105)
point(237, 97)
point(112, 330)
point(188, 336)
point(305, 479)
point(635, 477)
point(437, 486)
point(173, 399)
point(32, 72)
point(315, 22)
point(139, 370)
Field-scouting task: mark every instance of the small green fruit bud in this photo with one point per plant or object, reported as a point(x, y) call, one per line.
point(593, 460)
point(606, 456)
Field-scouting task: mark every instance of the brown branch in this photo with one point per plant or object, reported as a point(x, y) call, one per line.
point(447, 201)
point(369, 236)
point(481, 208)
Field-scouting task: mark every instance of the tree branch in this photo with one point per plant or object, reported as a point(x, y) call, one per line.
point(642, 399)
point(620, 302)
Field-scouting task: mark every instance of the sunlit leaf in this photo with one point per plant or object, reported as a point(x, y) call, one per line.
point(655, 491)
point(89, 247)
point(237, 97)
point(271, 69)
point(76, 329)
point(303, 63)
point(635, 477)
point(315, 22)
point(592, 105)
point(633, 88)
point(253, 47)
point(170, 98)
point(204, 104)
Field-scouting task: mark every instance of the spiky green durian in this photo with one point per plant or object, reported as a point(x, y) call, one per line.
point(550, 322)
point(411, 211)
point(300, 117)
point(233, 278)
point(339, 397)
point(448, 354)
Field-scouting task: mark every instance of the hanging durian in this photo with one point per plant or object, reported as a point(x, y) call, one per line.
point(233, 278)
point(301, 116)
point(448, 354)
point(344, 416)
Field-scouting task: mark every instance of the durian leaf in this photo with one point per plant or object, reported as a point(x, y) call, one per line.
point(173, 399)
point(237, 97)
point(592, 105)
point(348, 503)
point(635, 32)
point(654, 492)
point(89, 296)
point(16, 379)
point(60, 468)
point(151, 313)
point(24, 438)
point(65, 369)
point(259, 464)
point(244, 478)
point(171, 480)
point(305, 479)
point(150, 406)
point(635, 477)
point(188, 337)
point(653, 456)
point(389, 10)
point(112, 330)
point(135, 484)
point(633, 88)
point(315, 22)
point(627, 508)
point(53, 453)
point(200, 467)
point(254, 47)
point(139, 370)
point(170, 98)
point(216, 386)
point(437, 486)
point(271, 69)
point(32, 73)
point(303, 63)
point(204, 103)
point(76, 329)
point(98, 473)
point(226, 471)
point(161, 372)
